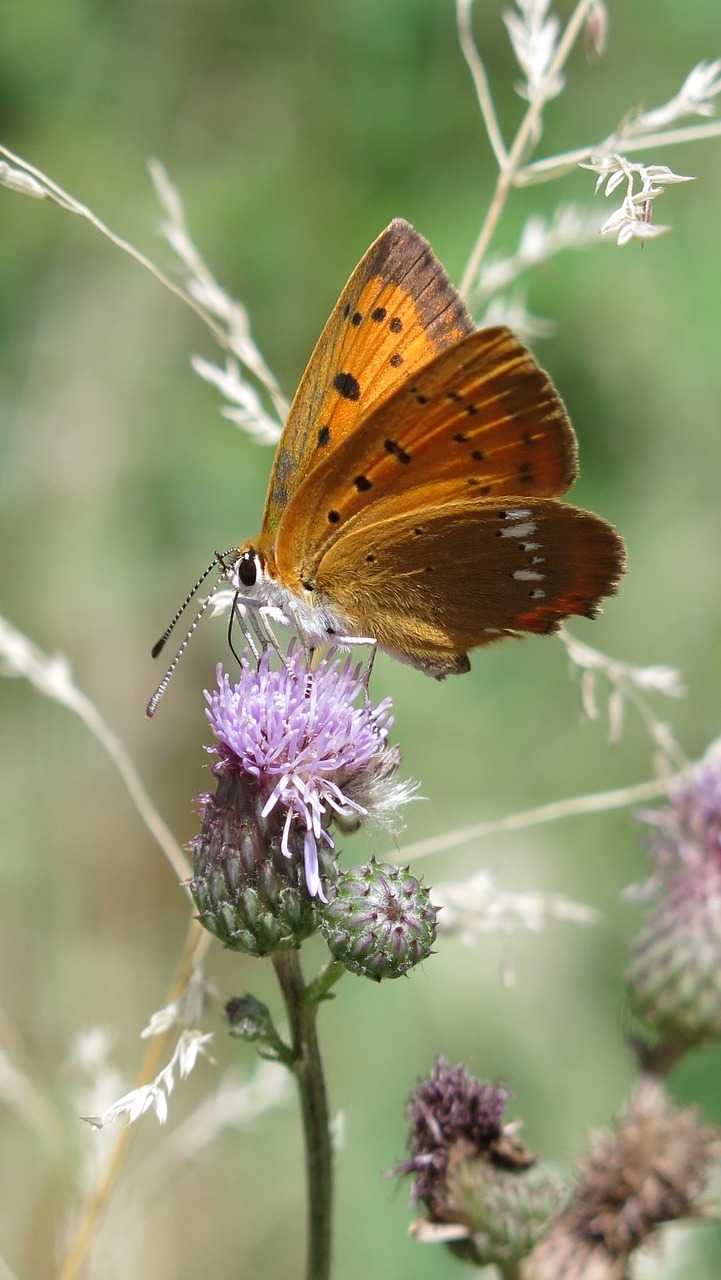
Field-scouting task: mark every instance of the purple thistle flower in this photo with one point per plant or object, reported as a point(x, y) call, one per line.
point(484, 1195)
point(675, 970)
point(449, 1109)
point(688, 830)
point(309, 744)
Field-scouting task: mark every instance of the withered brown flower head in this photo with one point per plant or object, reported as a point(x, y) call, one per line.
point(651, 1168)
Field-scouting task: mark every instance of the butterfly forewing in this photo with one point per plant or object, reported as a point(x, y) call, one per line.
point(396, 312)
point(480, 420)
point(441, 580)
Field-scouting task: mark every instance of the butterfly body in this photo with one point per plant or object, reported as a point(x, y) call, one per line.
point(414, 498)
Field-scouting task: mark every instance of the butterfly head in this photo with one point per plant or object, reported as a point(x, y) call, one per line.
point(253, 577)
point(248, 570)
point(262, 588)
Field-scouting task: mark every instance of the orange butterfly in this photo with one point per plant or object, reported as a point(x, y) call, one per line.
point(413, 501)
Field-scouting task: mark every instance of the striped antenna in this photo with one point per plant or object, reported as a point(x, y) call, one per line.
point(153, 704)
point(160, 644)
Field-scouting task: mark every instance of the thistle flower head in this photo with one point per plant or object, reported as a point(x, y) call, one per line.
point(448, 1107)
point(484, 1194)
point(687, 832)
point(308, 747)
point(675, 970)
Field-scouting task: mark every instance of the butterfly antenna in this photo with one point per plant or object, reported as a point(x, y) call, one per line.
point(219, 560)
point(153, 704)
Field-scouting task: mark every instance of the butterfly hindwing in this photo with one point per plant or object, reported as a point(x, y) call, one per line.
point(441, 580)
point(396, 312)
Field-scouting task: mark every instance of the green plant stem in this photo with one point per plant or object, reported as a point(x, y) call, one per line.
point(320, 988)
point(308, 1070)
point(511, 1271)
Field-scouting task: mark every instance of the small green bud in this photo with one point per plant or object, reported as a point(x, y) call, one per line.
point(380, 921)
point(249, 1018)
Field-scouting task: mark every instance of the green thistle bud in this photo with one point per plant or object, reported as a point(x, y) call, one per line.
point(379, 921)
point(248, 1018)
point(505, 1211)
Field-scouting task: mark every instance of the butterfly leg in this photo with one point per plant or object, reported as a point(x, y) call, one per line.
point(267, 613)
point(368, 671)
point(254, 620)
point(243, 616)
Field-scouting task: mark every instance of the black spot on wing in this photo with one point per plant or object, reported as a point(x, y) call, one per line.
point(396, 450)
point(347, 386)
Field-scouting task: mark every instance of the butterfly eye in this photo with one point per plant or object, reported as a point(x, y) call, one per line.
point(247, 569)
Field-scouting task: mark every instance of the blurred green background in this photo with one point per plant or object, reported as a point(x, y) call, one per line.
point(295, 132)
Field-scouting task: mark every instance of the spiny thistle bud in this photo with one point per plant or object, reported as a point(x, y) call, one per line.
point(650, 1169)
point(675, 970)
point(294, 754)
point(380, 921)
point(484, 1193)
